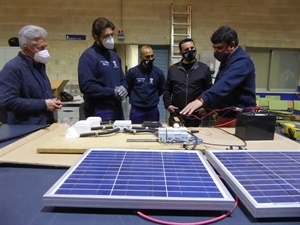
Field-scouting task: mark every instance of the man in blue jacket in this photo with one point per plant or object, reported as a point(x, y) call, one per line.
point(100, 75)
point(145, 86)
point(234, 85)
point(25, 89)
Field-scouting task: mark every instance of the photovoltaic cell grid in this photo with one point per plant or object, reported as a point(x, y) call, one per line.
point(267, 182)
point(151, 179)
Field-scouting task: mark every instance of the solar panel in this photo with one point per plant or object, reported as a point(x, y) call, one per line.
point(266, 181)
point(140, 179)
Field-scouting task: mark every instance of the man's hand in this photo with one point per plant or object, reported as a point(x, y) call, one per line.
point(200, 111)
point(172, 108)
point(120, 92)
point(191, 107)
point(53, 104)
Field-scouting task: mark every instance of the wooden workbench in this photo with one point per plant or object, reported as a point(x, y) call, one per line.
point(50, 147)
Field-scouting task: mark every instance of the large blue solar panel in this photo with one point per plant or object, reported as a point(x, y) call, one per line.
point(151, 179)
point(266, 181)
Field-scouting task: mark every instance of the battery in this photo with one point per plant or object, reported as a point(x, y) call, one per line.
point(255, 126)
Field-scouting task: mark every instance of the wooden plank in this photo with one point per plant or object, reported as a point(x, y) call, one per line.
point(60, 144)
point(59, 151)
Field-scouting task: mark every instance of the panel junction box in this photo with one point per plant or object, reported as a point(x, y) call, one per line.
point(122, 124)
point(170, 134)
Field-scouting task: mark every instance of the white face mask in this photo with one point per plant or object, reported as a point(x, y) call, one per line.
point(42, 56)
point(108, 42)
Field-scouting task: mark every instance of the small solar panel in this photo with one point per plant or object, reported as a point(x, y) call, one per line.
point(266, 181)
point(140, 179)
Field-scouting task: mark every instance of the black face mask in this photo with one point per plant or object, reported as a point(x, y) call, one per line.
point(148, 63)
point(222, 57)
point(190, 55)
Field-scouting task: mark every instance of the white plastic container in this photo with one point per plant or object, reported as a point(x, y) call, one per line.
point(96, 121)
point(83, 126)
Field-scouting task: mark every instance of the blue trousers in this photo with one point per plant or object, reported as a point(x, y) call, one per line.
point(139, 115)
point(107, 112)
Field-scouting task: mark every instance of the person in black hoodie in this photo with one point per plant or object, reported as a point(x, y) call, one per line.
point(186, 80)
point(100, 75)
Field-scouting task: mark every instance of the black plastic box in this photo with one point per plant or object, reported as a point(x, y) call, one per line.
point(255, 126)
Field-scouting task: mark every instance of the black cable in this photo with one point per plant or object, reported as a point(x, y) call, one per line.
point(99, 133)
point(135, 127)
point(109, 131)
point(127, 130)
point(230, 146)
point(102, 127)
point(194, 143)
point(146, 130)
point(88, 134)
point(141, 128)
point(132, 131)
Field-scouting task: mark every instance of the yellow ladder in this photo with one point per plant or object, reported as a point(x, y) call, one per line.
point(180, 29)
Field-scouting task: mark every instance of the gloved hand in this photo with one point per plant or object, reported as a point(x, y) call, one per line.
point(122, 92)
point(116, 92)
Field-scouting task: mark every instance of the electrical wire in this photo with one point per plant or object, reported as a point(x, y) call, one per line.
point(140, 130)
point(102, 127)
point(232, 108)
point(209, 221)
point(226, 123)
point(205, 222)
point(89, 134)
point(213, 111)
point(231, 146)
point(195, 142)
point(248, 109)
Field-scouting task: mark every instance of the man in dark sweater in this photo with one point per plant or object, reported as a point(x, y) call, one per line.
point(145, 86)
point(234, 85)
point(186, 80)
point(25, 90)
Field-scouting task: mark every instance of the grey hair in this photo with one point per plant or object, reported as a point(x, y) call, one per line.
point(29, 33)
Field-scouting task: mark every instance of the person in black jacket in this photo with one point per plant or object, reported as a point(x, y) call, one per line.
point(234, 85)
point(186, 80)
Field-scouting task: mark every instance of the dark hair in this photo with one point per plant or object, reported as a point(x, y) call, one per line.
point(100, 24)
point(183, 41)
point(225, 34)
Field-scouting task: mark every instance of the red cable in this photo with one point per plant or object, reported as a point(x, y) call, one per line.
point(223, 124)
point(256, 108)
point(163, 222)
point(213, 111)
